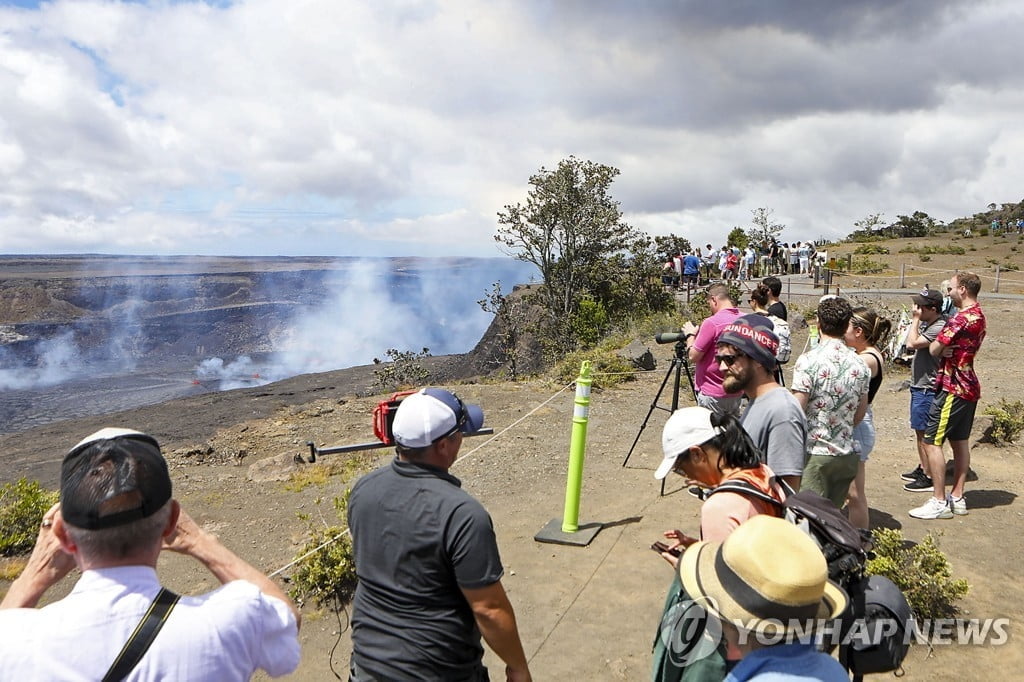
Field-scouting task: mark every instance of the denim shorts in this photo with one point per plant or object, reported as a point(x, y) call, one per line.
point(920, 405)
point(864, 436)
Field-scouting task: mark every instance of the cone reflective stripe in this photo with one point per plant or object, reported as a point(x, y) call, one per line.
point(577, 449)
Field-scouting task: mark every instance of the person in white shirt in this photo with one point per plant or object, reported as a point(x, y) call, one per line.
point(115, 517)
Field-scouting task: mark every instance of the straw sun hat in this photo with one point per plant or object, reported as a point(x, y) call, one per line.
point(767, 577)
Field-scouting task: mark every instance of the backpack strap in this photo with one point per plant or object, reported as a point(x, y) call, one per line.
point(145, 632)
point(744, 488)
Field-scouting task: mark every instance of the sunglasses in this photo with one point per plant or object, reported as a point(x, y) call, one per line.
point(460, 420)
point(727, 359)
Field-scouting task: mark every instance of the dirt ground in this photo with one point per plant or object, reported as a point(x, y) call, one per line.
point(584, 612)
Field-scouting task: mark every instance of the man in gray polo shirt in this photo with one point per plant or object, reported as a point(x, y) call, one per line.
point(427, 558)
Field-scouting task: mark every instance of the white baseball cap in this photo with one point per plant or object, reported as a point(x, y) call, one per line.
point(431, 414)
point(686, 427)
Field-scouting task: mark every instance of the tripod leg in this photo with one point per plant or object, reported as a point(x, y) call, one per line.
point(654, 406)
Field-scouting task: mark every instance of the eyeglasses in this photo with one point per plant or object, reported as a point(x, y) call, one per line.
point(680, 458)
point(727, 359)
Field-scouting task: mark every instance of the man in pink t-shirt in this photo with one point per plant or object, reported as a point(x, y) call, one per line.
point(700, 344)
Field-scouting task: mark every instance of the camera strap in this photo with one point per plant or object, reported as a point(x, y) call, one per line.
point(145, 632)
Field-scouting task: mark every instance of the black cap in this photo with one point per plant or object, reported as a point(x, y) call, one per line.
point(113, 477)
point(928, 297)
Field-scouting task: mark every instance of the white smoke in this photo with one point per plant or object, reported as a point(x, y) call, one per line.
point(58, 360)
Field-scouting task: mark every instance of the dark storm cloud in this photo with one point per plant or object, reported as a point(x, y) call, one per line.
point(713, 65)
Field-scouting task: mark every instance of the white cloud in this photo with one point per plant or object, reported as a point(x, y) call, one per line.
point(401, 127)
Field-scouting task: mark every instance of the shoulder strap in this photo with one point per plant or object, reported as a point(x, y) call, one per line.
point(744, 488)
point(145, 633)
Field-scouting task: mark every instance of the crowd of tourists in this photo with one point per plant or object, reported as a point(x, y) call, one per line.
point(701, 266)
point(426, 555)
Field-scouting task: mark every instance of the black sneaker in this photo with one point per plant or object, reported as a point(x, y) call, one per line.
point(913, 474)
point(921, 484)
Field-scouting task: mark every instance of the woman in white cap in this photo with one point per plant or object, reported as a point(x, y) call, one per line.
point(708, 449)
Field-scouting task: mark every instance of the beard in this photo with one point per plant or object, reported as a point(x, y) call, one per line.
point(737, 379)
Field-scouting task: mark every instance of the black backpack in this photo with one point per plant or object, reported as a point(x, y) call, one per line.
point(877, 626)
point(844, 546)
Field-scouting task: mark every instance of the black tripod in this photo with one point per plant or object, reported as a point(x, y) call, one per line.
point(680, 361)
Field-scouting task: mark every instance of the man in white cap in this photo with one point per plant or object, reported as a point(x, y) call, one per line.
point(767, 584)
point(115, 516)
point(427, 558)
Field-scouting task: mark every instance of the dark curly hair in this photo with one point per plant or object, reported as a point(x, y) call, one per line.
point(834, 316)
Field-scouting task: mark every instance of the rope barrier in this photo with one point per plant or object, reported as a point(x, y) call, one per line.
point(459, 460)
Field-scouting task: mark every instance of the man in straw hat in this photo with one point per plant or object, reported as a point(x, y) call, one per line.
point(767, 583)
point(116, 515)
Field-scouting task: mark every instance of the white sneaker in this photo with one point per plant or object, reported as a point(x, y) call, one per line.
point(958, 505)
point(933, 509)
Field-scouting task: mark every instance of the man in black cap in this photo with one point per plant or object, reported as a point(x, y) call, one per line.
point(115, 516)
point(427, 558)
point(926, 323)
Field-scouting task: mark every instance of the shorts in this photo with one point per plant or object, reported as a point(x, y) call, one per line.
point(921, 400)
point(864, 436)
point(724, 405)
point(950, 418)
point(830, 476)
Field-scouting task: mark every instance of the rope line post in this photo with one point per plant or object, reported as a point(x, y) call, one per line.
point(567, 530)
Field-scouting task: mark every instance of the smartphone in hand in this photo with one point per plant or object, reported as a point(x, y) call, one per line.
point(660, 547)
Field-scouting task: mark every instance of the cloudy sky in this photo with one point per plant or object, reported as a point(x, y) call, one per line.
point(401, 127)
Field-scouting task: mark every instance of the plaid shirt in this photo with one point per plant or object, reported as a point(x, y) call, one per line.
point(964, 334)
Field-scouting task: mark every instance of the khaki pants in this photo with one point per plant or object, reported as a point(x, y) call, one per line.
point(830, 476)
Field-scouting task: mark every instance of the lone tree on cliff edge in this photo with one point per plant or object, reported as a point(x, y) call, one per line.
point(570, 228)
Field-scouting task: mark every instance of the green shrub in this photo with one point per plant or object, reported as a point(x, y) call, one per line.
point(924, 257)
point(921, 571)
point(1007, 420)
point(864, 266)
point(328, 575)
point(1010, 267)
point(910, 248)
point(947, 249)
point(589, 324)
point(983, 232)
point(404, 369)
point(871, 249)
point(22, 505)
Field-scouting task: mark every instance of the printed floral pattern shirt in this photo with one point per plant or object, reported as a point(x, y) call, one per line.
point(834, 378)
point(964, 334)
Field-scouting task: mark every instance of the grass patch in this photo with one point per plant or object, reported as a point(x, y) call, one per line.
point(11, 568)
point(607, 367)
point(319, 473)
